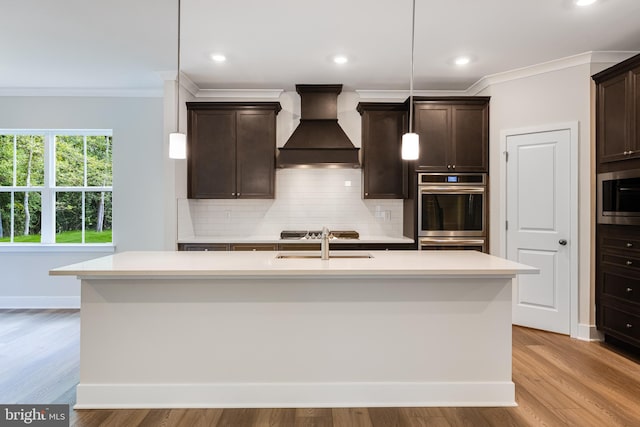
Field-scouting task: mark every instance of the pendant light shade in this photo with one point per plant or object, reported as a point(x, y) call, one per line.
point(410, 140)
point(177, 140)
point(410, 146)
point(177, 145)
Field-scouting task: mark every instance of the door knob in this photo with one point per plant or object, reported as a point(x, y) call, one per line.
point(562, 242)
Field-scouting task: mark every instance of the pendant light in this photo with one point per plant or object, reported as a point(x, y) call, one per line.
point(177, 140)
point(410, 140)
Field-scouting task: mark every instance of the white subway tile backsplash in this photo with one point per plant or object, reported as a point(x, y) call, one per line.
point(305, 199)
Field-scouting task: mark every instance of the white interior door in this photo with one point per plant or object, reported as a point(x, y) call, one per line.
point(538, 227)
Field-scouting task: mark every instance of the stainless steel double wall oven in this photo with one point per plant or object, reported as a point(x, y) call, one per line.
point(452, 211)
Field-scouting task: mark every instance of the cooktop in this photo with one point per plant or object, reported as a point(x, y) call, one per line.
point(317, 234)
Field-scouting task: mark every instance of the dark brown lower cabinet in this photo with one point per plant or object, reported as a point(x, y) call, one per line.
point(254, 247)
point(293, 246)
point(203, 247)
point(618, 283)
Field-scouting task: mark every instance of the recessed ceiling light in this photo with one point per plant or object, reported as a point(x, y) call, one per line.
point(584, 2)
point(218, 57)
point(340, 59)
point(462, 60)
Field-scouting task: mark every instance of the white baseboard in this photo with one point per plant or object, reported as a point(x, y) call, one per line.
point(40, 302)
point(294, 395)
point(588, 333)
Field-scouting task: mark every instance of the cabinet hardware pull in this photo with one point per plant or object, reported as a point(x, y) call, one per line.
point(233, 194)
point(629, 262)
point(629, 325)
point(629, 244)
point(448, 166)
point(629, 289)
point(454, 166)
point(366, 194)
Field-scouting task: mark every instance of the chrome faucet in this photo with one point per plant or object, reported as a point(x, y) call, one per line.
point(324, 243)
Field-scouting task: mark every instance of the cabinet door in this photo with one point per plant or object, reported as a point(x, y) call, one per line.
point(635, 109)
point(385, 173)
point(254, 247)
point(470, 145)
point(256, 147)
point(613, 120)
point(433, 125)
point(203, 247)
point(212, 155)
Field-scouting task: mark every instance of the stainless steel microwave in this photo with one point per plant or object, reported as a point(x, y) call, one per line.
point(618, 197)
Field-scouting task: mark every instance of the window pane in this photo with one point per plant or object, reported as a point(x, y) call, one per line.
point(99, 161)
point(5, 217)
point(69, 161)
point(30, 160)
point(97, 221)
point(27, 215)
point(68, 217)
point(6, 160)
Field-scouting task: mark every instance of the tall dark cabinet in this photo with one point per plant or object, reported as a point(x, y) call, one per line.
point(231, 149)
point(618, 116)
point(384, 171)
point(618, 246)
point(454, 133)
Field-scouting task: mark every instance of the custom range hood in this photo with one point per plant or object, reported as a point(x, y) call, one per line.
point(318, 141)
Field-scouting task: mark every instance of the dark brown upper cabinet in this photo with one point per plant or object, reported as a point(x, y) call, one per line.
point(618, 116)
point(384, 172)
point(454, 133)
point(231, 150)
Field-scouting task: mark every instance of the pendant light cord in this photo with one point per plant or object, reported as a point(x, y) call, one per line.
point(413, 28)
point(178, 76)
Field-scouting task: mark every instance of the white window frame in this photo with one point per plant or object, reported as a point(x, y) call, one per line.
point(49, 189)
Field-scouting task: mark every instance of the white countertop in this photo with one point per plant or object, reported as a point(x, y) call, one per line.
point(277, 239)
point(265, 264)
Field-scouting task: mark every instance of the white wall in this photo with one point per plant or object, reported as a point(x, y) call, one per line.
point(138, 199)
point(552, 97)
point(305, 199)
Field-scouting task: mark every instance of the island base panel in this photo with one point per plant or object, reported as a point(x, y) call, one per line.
point(295, 342)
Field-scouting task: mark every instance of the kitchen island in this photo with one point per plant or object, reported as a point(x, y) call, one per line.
point(229, 329)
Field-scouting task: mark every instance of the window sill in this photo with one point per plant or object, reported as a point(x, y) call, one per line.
point(60, 247)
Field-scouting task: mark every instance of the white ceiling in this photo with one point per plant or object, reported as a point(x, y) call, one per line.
point(126, 44)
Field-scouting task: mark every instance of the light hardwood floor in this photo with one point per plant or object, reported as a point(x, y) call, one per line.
point(559, 381)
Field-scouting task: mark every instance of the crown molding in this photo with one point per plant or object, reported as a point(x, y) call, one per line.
point(382, 95)
point(189, 85)
point(375, 95)
point(591, 57)
point(185, 81)
point(611, 57)
point(235, 94)
point(83, 92)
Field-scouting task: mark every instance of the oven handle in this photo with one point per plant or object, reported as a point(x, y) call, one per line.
point(452, 190)
point(456, 242)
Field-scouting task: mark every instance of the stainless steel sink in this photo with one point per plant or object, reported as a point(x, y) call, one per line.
point(315, 255)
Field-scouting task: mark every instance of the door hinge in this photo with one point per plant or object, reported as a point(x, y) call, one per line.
point(506, 225)
point(506, 156)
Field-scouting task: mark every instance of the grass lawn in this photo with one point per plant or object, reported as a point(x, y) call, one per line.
point(66, 237)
